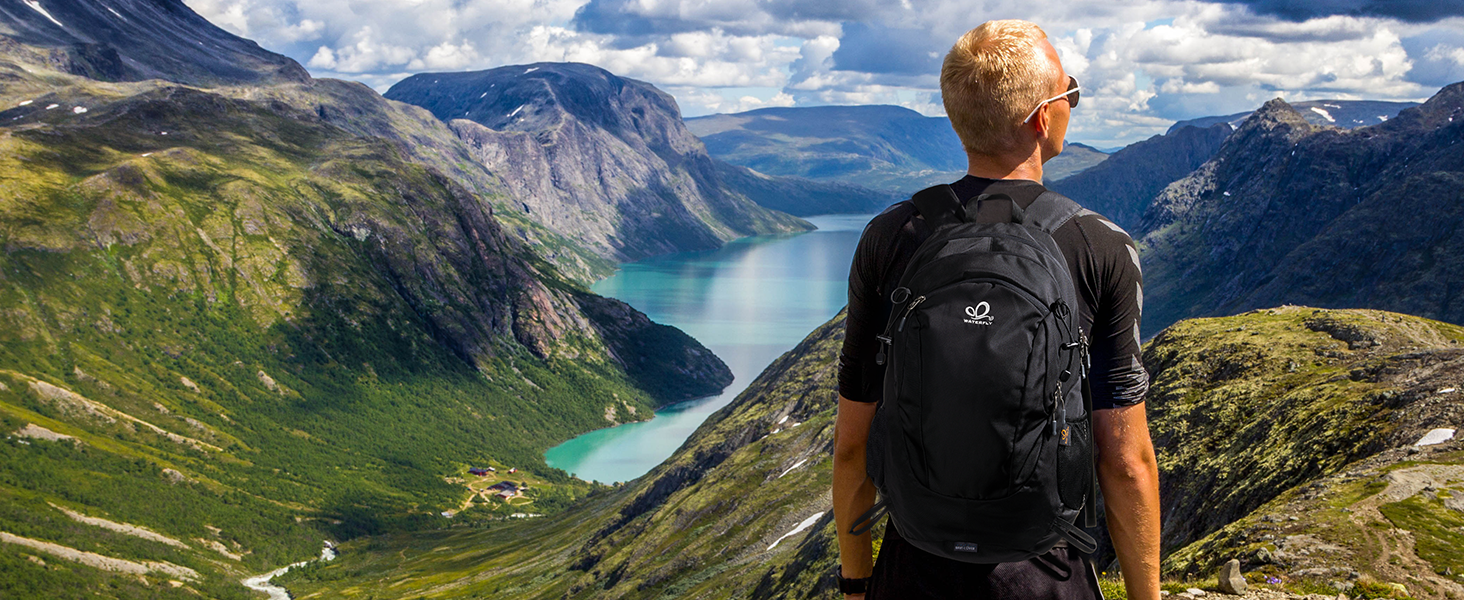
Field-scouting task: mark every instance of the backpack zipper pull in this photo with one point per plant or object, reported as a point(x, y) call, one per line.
point(884, 342)
point(908, 310)
point(1085, 359)
point(1060, 426)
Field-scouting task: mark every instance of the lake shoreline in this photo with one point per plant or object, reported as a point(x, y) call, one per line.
point(748, 301)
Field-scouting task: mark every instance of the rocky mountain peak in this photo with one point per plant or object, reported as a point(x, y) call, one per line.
point(594, 157)
point(1273, 116)
point(135, 40)
point(541, 96)
point(1443, 108)
point(1288, 212)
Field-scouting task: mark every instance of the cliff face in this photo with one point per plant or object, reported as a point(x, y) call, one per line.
point(1287, 212)
point(599, 159)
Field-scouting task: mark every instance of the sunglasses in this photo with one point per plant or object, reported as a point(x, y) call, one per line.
point(1072, 99)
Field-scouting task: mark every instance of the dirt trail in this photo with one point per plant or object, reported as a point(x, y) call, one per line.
point(1399, 544)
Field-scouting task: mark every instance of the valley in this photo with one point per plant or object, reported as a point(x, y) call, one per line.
point(741, 510)
point(245, 311)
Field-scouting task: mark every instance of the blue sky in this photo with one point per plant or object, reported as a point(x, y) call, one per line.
point(1143, 65)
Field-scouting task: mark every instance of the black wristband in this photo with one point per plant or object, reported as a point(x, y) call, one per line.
point(851, 586)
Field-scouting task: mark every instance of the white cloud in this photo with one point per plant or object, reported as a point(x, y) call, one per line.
point(1454, 54)
point(324, 59)
point(1143, 65)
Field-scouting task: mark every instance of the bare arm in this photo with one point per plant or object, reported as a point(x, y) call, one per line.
point(1129, 475)
point(853, 490)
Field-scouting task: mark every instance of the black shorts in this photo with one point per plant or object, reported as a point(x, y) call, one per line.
point(904, 572)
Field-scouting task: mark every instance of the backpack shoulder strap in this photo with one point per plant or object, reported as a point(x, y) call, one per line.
point(939, 205)
point(1050, 211)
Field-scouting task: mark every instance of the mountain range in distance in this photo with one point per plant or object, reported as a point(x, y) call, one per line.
point(1347, 114)
point(879, 147)
point(898, 149)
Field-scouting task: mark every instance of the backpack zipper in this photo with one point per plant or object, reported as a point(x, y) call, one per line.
point(885, 341)
point(908, 310)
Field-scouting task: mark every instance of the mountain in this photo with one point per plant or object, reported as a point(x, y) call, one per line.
point(134, 40)
point(1122, 186)
point(1075, 158)
point(741, 510)
point(1287, 440)
point(237, 320)
point(1347, 114)
point(600, 159)
point(880, 147)
point(1289, 212)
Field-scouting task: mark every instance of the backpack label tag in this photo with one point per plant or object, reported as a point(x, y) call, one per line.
point(979, 314)
point(965, 547)
point(1064, 438)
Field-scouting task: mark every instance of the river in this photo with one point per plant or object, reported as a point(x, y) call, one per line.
point(749, 302)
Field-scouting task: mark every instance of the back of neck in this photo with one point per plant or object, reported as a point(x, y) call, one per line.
point(1005, 167)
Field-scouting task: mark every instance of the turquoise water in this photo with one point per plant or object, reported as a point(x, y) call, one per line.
point(749, 301)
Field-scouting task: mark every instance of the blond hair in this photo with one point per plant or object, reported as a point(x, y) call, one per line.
point(991, 79)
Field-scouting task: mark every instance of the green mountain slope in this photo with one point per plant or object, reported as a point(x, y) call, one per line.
point(1246, 410)
point(740, 510)
point(1291, 430)
point(237, 321)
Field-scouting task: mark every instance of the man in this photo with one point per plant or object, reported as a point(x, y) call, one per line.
point(1009, 100)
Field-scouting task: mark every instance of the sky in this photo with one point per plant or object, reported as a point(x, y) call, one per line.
point(1143, 64)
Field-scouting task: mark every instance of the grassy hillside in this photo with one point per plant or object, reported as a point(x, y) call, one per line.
point(1249, 412)
point(231, 328)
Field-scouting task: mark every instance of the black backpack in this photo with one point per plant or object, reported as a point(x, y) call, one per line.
point(981, 447)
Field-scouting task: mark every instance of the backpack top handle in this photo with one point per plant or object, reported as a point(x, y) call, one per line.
point(939, 205)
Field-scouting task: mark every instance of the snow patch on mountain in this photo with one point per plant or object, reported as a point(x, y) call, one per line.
point(36, 4)
point(799, 529)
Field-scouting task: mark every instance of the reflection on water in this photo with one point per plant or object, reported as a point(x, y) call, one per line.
point(748, 301)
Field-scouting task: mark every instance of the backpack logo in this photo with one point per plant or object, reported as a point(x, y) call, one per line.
point(979, 314)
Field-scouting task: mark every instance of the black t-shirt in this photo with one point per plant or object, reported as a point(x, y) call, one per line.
point(1101, 257)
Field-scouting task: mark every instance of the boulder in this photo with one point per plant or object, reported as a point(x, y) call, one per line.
point(1231, 581)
